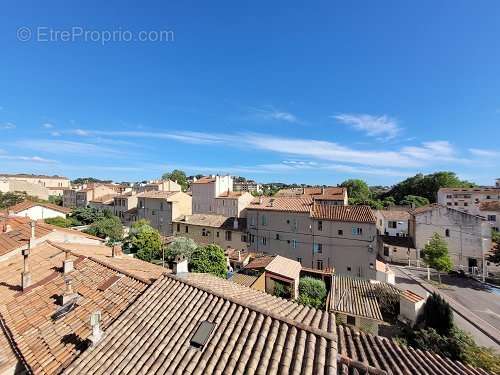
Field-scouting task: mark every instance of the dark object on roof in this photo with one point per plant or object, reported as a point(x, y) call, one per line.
point(406, 242)
point(63, 310)
point(202, 334)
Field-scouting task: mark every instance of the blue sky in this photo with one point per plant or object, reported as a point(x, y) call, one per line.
point(309, 92)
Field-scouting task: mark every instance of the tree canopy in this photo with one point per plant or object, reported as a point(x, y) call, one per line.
point(357, 189)
point(437, 314)
point(436, 255)
point(180, 246)
point(426, 186)
point(88, 215)
point(312, 292)
point(144, 241)
point(414, 201)
point(107, 227)
point(209, 259)
point(177, 176)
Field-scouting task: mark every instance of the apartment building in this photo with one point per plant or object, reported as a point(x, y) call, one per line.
point(42, 180)
point(491, 212)
point(205, 191)
point(124, 206)
point(249, 186)
point(10, 185)
point(316, 233)
point(227, 232)
point(468, 236)
point(160, 208)
point(331, 194)
point(232, 203)
point(82, 197)
point(467, 199)
point(158, 185)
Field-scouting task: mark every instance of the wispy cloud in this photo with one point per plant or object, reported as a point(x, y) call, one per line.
point(484, 153)
point(55, 134)
point(47, 125)
point(36, 159)
point(271, 113)
point(374, 126)
point(64, 147)
point(7, 126)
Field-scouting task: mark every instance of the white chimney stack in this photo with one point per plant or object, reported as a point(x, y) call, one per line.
point(97, 333)
point(26, 274)
point(180, 265)
point(67, 264)
point(68, 294)
point(33, 224)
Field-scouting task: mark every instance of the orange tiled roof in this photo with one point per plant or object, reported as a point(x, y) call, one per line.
point(47, 345)
point(19, 233)
point(157, 194)
point(401, 215)
point(231, 194)
point(260, 262)
point(302, 204)
point(354, 214)
point(330, 192)
point(29, 204)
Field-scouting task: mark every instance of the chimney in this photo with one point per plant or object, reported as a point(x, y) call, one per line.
point(260, 199)
point(67, 264)
point(68, 294)
point(180, 265)
point(235, 223)
point(33, 224)
point(239, 255)
point(116, 251)
point(26, 274)
point(97, 333)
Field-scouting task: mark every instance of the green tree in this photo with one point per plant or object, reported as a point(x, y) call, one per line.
point(209, 259)
point(373, 203)
point(11, 198)
point(312, 292)
point(60, 222)
point(357, 189)
point(436, 255)
point(494, 256)
point(56, 199)
point(180, 246)
point(426, 186)
point(178, 176)
point(437, 314)
point(88, 215)
point(144, 241)
point(414, 201)
point(108, 227)
point(281, 290)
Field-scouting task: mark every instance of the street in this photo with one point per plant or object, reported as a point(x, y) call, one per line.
point(481, 300)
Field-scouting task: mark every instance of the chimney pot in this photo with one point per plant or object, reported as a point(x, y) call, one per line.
point(33, 224)
point(97, 333)
point(7, 228)
point(180, 265)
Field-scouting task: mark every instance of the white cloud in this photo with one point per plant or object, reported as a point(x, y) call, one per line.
point(375, 126)
point(48, 125)
point(7, 126)
point(274, 114)
point(36, 159)
point(484, 153)
point(81, 132)
point(55, 134)
point(66, 147)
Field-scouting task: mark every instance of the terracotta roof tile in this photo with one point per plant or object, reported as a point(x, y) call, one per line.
point(490, 206)
point(302, 204)
point(355, 214)
point(204, 180)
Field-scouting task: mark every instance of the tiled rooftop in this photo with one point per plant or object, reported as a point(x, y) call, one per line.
point(29, 204)
point(490, 206)
point(302, 204)
point(254, 332)
point(330, 192)
point(20, 233)
point(354, 214)
point(357, 297)
point(395, 215)
point(212, 221)
point(47, 345)
point(243, 279)
point(204, 180)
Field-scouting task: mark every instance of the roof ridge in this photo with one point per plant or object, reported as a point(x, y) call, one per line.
point(305, 327)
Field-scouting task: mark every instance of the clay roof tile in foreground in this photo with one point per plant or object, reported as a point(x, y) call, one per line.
point(253, 332)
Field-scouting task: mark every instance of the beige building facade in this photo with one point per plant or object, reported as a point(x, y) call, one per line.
point(205, 191)
point(467, 199)
point(204, 229)
point(81, 198)
point(317, 235)
point(160, 208)
point(468, 236)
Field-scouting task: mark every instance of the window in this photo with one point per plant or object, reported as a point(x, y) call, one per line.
point(448, 203)
point(187, 229)
point(340, 232)
point(204, 232)
point(318, 248)
point(466, 204)
point(161, 206)
point(243, 238)
point(278, 236)
point(294, 244)
point(228, 235)
point(263, 220)
point(348, 269)
point(252, 220)
point(386, 251)
point(264, 241)
point(178, 227)
point(299, 260)
point(447, 233)
point(153, 212)
point(320, 225)
point(319, 264)
point(456, 203)
point(351, 320)
point(356, 231)
point(393, 224)
point(449, 196)
point(492, 217)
